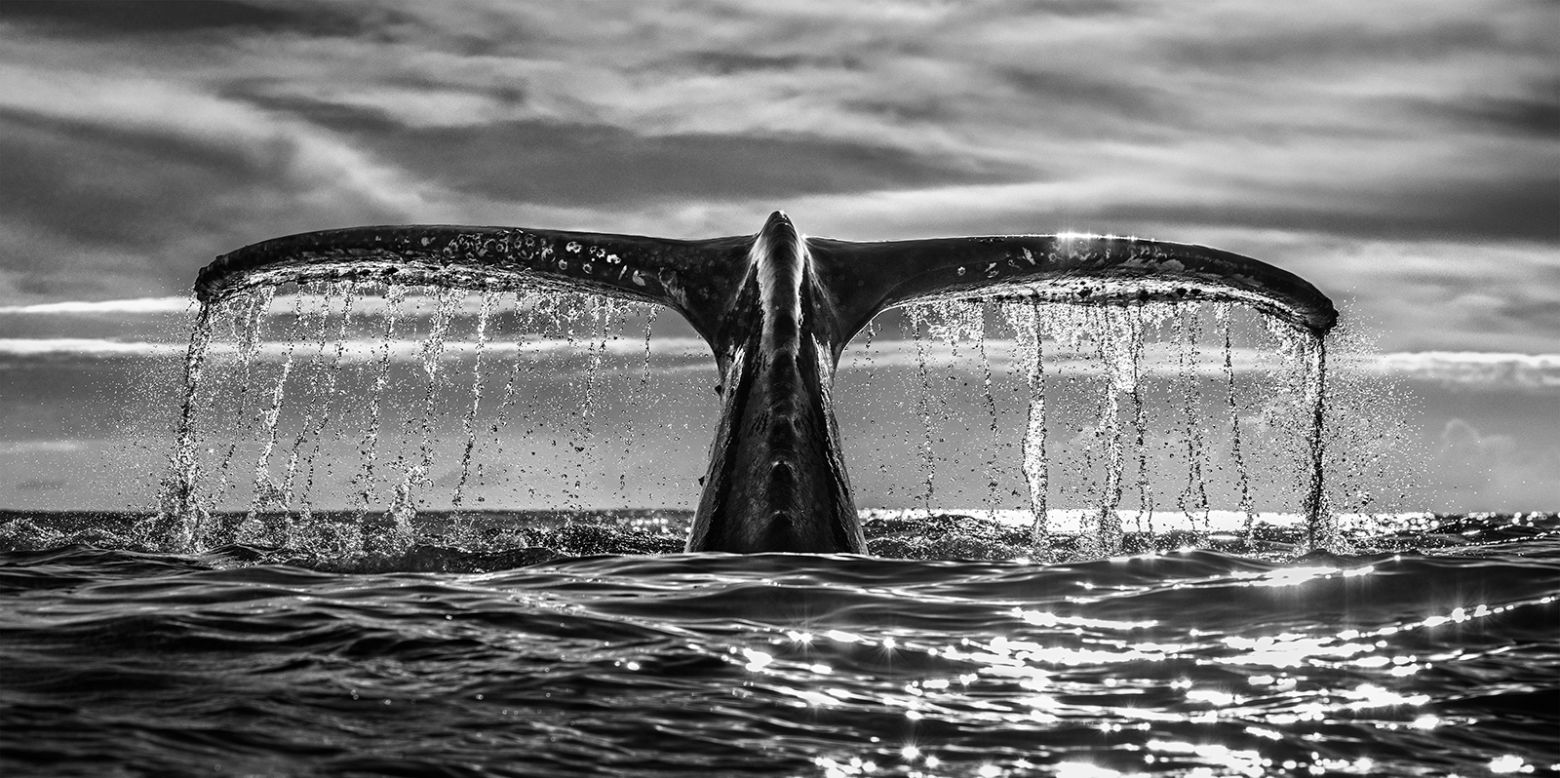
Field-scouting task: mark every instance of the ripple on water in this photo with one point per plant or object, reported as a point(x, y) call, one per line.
point(1175, 663)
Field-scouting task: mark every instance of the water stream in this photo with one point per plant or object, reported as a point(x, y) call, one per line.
point(1133, 381)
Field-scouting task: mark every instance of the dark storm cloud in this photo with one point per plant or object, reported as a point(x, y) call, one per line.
point(1250, 125)
point(1324, 42)
point(598, 164)
point(728, 62)
point(1533, 112)
point(1523, 207)
point(579, 164)
point(88, 178)
point(1126, 102)
point(111, 18)
point(83, 216)
point(1533, 117)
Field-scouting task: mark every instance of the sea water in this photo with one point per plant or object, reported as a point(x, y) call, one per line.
point(1432, 650)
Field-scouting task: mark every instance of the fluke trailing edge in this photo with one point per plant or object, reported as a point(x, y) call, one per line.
point(777, 309)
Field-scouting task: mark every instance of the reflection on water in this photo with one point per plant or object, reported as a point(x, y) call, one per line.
point(1172, 663)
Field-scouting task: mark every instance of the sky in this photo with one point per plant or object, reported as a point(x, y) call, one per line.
point(1402, 156)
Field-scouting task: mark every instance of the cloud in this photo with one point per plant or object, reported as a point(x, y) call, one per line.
point(1377, 125)
point(1532, 112)
point(139, 181)
point(1533, 372)
point(600, 165)
point(18, 447)
point(84, 347)
point(130, 305)
point(1399, 154)
point(169, 17)
point(1490, 471)
point(1469, 371)
point(567, 351)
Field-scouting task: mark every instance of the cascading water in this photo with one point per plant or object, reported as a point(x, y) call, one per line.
point(1131, 388)
point(1110, 385)
point(1109, 354)
point(1025, 320)
point(293, 404)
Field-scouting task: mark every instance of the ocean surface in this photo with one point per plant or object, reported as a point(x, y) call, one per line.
point(1433, 649)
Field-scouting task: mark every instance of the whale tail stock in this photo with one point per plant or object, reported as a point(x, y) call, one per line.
point(777, 310)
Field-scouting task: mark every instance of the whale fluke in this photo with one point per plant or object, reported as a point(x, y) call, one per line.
point(777, 309)
point(634, 267)
point(1098, 269)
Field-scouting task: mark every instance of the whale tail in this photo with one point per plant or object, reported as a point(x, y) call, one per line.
point(777, 310)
